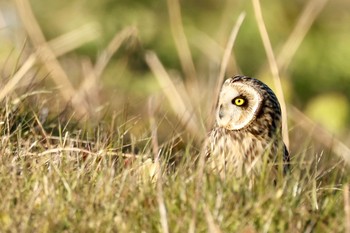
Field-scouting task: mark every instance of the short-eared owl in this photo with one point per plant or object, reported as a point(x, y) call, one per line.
point(247, 133)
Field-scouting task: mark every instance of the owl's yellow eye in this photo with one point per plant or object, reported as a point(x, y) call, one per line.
point(238, 101)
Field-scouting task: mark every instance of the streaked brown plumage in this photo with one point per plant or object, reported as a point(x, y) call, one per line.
point(248, 126)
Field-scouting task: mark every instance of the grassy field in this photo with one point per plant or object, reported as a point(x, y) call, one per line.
point(102, 124)
point(66, 183)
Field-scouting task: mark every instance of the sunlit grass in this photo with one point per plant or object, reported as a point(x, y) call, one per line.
point(70, 161)
point(67, 183)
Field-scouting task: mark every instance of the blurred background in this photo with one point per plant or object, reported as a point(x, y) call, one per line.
point(162, 58)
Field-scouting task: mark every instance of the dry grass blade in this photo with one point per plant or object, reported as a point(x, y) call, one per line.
point(60, 46)
point(181, 40)
point(225, 60)
point(46, 55)
point(66, 149)
point(88, 90)
point(184, 113)
point(154, 137)
point(156, 151)
point(112, 48)
point(347, 208)
point(11, 84)
point(273, 67)
point(208, 46)
point(228, 50)
point(162, 207)
point(74, 39)
point(307, 17)
point(199, 186)
point(212, 227)
point(321, 134)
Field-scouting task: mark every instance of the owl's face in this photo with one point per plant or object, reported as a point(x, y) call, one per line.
point(238, 104)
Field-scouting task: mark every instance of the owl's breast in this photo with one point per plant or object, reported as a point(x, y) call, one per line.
point(237, 152)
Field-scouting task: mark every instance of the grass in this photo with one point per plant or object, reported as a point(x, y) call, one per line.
point(84, 168)
point(70, 184)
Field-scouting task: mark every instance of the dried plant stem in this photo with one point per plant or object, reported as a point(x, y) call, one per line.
point(11, 84)
point(65, 149)
point(161, 203)
point(112, 48)
point(60, 46)
point(183, 111)
point(199, 186)
point(73, 39)
point(46, 55)
point(273, 67)
point(156, 152)
point(88, 89)
point(208, 46)
point(228, 51)
point(181, 42)
point(212, 226)
point(153, 126)
point(307, 17)
point(347, 208)
point(320, 134)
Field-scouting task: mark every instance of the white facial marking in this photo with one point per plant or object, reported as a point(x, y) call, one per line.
point(231, 116)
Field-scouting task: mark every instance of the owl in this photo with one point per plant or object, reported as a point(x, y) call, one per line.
point(248, 131)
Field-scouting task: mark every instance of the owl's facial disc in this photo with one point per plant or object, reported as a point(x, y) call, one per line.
point(238, 105)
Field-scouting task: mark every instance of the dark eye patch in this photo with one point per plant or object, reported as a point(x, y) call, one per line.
point(240, 101)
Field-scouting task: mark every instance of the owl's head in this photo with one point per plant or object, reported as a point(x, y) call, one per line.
point(243, 100)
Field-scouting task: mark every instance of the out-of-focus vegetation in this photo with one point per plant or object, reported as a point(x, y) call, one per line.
point(318, 68)
point(86, 85)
